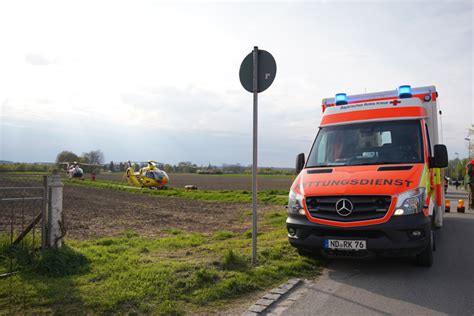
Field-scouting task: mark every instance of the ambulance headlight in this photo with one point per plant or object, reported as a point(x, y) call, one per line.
point(295, 203)
point(410, 202)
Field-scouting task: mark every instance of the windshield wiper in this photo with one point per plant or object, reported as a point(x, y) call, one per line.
point(363, 164)
point(397, 162)
point(382, 163)
point(324, 166)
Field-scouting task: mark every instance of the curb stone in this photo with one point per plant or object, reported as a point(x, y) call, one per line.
point(269, 299)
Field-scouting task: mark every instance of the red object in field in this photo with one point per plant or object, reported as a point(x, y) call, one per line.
point(93, 176)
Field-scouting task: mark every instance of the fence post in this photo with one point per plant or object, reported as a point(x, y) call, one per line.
point(45, 216)
point(54, 228)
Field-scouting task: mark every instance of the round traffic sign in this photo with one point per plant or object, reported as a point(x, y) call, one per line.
point(266, 71)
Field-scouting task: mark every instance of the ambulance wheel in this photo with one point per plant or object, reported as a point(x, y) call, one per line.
point(425, 258)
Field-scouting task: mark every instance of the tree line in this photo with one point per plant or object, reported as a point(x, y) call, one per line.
point(94, 157)
point(456, 169)
point(189, 167)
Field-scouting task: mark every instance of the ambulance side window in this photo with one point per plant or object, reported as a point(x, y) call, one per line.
point(429, 140)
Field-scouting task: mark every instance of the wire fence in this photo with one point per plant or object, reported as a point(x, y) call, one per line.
point(22, 206)
point(22, 201)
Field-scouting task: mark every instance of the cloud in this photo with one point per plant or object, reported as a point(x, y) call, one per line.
point(169, 75)
point(173, 97)
point(183, 109)
point(36, 59)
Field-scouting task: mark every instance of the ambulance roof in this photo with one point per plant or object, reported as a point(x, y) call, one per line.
point(378, 106)
point(391, 94)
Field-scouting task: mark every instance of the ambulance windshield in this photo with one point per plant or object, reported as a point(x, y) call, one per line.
point(372, 143)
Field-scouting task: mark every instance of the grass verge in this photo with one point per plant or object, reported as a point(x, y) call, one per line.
point(181, 272)
point(279, 197)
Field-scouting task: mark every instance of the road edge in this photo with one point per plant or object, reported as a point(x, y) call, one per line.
point(272, 297)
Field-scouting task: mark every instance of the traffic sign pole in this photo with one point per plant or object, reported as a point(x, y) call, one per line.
point(255, 81)
point(254, 163)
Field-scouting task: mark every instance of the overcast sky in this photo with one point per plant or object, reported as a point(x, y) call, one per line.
point(151, 80)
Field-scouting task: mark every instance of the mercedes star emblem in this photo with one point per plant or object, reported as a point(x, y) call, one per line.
point(344, 207)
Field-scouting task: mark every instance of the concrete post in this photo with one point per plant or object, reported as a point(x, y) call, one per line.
point(54, 227)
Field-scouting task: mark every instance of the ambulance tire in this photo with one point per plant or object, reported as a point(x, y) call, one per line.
point(425, 258)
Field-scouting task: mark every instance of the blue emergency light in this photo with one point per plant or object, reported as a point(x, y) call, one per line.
point(341, 99)
point(404, 92)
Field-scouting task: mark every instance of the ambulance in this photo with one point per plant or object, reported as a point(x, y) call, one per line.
point(371, 184)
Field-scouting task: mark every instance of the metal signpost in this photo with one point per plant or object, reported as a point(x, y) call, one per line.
point(257, 73)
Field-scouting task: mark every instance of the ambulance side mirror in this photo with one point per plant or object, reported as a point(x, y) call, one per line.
point(299, 163)
point(440, 158)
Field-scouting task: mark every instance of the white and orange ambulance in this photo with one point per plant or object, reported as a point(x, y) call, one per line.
point(372, 181)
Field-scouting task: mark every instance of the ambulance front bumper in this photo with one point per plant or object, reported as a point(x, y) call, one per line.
point(400, 236)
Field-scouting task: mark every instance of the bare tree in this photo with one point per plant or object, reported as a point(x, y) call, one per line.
point(95, 157)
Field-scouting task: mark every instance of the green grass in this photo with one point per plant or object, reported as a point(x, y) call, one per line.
point(223, 234)
point(279, 197)
point(244, 175)
point(180, 272)
point(6, 173)
point(25, 168)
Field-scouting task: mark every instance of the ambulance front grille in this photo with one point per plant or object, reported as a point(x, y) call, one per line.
point(365, 207)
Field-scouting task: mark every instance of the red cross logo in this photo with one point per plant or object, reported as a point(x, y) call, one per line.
point(395, 102)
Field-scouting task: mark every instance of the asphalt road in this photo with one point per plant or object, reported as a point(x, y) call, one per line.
point(397, 286)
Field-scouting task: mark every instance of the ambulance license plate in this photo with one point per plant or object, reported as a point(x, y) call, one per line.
point(344, 244)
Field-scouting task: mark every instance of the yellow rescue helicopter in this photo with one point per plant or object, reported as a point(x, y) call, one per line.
point(147, 177)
